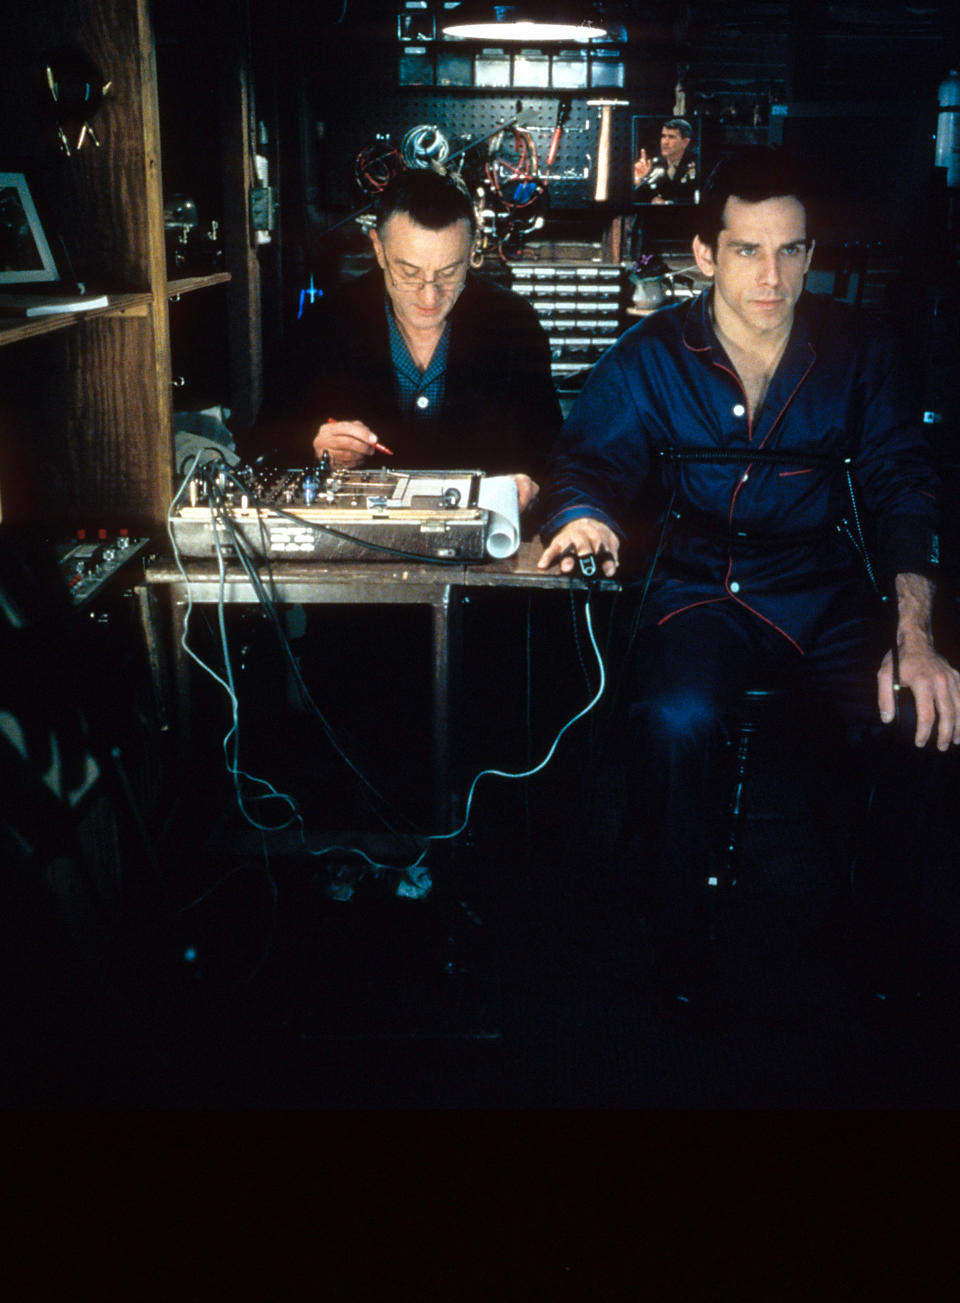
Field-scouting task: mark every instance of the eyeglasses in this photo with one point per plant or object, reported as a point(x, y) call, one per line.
point(444, 282)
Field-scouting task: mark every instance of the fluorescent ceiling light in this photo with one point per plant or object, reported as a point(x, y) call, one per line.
point(530, 22)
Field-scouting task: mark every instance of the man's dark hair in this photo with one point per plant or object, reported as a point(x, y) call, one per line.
point(679, 124)
point(753, 175)
point(432, 199)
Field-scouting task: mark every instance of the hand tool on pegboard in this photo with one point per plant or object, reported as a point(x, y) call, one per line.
point(601, 188)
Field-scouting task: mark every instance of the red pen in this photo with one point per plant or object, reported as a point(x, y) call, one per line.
point(378, 447)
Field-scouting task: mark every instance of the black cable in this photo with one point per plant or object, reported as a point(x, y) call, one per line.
point(775, 455)
point(219, 504)
point(860, 542)
point(268, 603)
point(221, 513)
point(233, 736)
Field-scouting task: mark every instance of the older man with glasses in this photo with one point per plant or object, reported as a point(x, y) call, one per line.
point(422, 358)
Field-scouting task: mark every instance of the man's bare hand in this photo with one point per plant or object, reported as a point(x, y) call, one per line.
point(935, 685)
point(583, 537)
point(527, 491)
point(641, 167)
point(349, 443)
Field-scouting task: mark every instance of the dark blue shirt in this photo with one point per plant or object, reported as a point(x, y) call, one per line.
point(419, 394)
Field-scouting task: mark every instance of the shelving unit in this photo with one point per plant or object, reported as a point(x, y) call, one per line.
point(85, 398)
point(12, 329)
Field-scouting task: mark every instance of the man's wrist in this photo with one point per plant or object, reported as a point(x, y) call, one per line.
point(561, 519)
point(914, 637)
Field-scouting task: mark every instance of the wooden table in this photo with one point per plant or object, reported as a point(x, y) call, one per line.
point(378, 583)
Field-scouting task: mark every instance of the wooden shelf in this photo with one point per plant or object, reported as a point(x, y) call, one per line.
point(187, 283)
point(13, 329)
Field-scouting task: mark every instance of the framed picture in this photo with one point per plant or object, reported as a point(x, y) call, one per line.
point(25, 257)
point(665, 160)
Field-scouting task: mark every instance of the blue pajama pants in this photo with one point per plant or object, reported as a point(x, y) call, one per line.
point(688, 676)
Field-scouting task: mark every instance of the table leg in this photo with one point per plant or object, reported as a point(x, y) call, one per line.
point(181, 665)
point(153, 639)
point(445, 632)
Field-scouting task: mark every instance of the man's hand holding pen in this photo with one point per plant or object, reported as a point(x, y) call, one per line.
point(349, 443)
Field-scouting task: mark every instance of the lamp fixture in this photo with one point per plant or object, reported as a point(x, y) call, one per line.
point(532, 21)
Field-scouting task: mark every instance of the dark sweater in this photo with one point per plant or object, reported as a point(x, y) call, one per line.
point(499, 414)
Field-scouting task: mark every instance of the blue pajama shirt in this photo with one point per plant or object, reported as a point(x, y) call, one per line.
point(758, 534)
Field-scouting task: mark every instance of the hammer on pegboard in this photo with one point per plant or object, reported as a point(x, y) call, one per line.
point(601, 188)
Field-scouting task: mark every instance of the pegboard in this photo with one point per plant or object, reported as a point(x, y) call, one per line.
point(467, 118)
